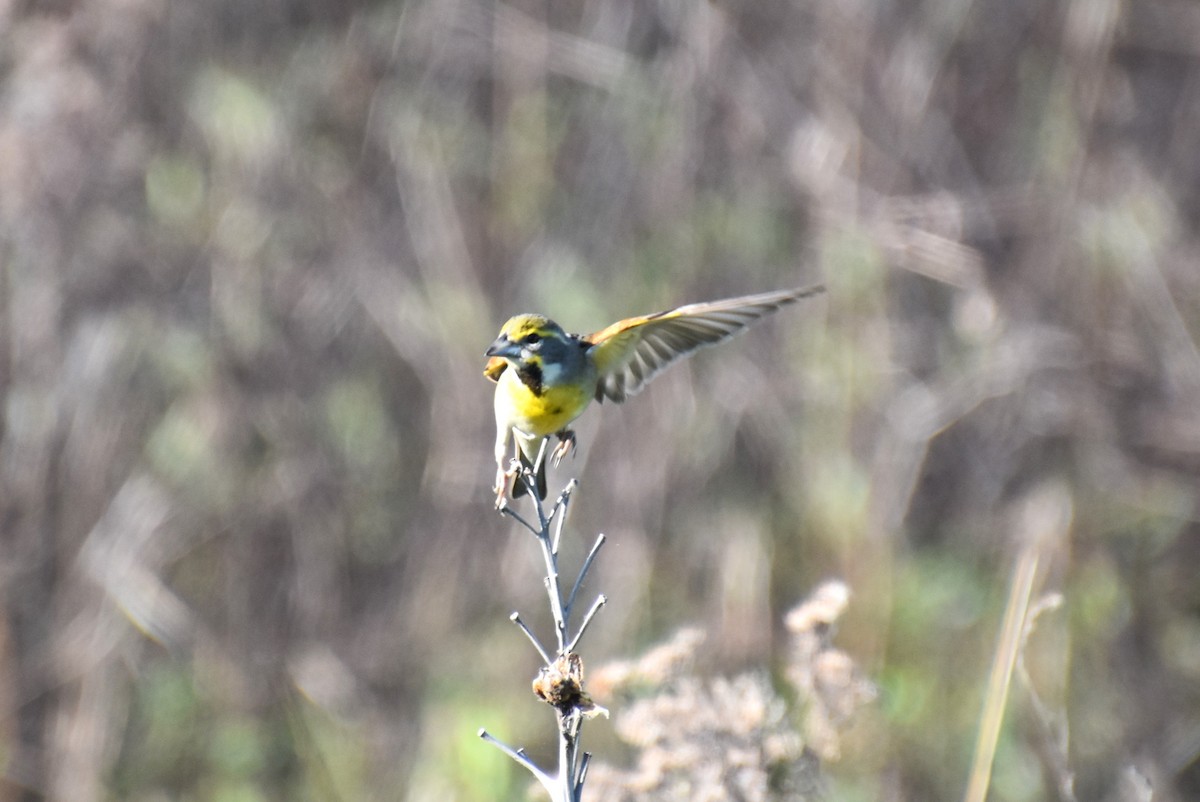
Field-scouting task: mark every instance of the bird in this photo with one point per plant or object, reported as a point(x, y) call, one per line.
point(546, 378)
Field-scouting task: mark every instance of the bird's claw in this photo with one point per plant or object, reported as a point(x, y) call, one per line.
point(566, 445)
point(503, 477)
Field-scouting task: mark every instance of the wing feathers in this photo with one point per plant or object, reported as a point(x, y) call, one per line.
point(630, 353)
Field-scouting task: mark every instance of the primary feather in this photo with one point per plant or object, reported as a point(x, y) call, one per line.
point(629, 353)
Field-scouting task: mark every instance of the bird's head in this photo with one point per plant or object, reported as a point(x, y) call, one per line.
point(528, 340)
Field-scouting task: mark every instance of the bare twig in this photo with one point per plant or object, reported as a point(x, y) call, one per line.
point(560, 510)
point(537, 644)
point(587, 564)
point(587, 619)
point(520, 757)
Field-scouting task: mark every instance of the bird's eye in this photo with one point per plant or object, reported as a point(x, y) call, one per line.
point(533, 338)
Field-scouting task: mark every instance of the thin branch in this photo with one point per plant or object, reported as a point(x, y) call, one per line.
point(537, 463)
point(543, 520)
point(520, 757)
point(587, 619)
point(537, 644)
point(584, 763)
point(560, 510)
point(512, 513)
point(554, 593)
point(568, 726)
point(587, 563)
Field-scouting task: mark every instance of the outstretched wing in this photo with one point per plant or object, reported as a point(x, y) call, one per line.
point(631, 352)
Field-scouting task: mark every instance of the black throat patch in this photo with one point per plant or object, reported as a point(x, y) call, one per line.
point(531, 376)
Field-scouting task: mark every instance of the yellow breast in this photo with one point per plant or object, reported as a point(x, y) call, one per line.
point(539, 415)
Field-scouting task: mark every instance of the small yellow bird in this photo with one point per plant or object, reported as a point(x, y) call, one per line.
point(545, 378)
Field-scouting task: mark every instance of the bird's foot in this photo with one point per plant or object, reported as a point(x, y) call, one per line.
point(566, 445)
point(503, 477)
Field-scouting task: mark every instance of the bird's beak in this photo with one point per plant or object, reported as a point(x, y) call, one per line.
point(503, 347)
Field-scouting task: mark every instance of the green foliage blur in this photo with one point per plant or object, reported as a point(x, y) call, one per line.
point(251, 255)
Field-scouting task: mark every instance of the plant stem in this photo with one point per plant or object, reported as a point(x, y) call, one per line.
point(567, 784)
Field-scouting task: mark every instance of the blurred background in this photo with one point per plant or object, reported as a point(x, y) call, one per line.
point(251, 255)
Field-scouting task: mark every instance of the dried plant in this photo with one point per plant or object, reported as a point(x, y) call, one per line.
point(732, 738)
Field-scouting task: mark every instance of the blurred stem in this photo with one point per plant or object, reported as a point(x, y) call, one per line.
point(1000, 679)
